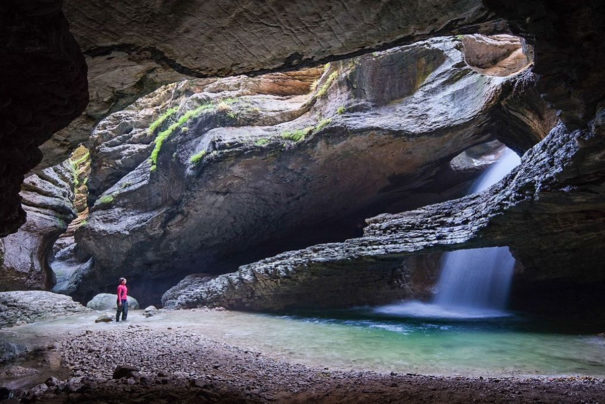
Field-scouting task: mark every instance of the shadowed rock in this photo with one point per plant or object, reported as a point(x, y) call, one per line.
point(43, 88)
point(129, 56)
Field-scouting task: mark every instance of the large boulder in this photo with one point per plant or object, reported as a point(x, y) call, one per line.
point(20, 307)
point(206, 175)
point(107, 301)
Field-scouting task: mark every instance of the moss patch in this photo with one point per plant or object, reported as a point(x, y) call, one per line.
point(324, 89)
point(162, 136)
point(322, 124)
point(158, 122)
point(198, 157)
point(297, 135)
point(78, 165)
point(105, 199)
point(262, 142)
point(82, 159)
point(341, 110)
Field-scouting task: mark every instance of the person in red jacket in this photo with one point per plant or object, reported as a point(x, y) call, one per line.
point(122, 300)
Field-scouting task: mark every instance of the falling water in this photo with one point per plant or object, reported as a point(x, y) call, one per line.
point(475, 282)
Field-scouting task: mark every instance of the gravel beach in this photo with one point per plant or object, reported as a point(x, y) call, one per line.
point(159, 362)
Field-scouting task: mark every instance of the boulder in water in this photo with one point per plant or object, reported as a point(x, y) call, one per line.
point(107, 301)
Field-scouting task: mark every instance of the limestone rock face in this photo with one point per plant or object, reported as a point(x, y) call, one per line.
point(43, 88)
point(186, 285)
point(35, 305)
point(499, 55)
point(334, 284)
point(568, 50)
point(107, 301)
point(132, 49)
point(203, 175)
point(557, 191)
point(64, 262)
point(201, 38)
point(24, 256)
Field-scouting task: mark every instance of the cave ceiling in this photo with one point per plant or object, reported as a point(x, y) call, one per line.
point(50, 47)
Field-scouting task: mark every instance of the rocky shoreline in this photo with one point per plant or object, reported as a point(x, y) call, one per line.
point(161, 362)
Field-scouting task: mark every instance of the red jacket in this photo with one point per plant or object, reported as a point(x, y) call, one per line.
point(122, 293)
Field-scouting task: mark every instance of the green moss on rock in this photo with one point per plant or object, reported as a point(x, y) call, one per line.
point(164, 135)
point(106, 199)
point(324, 89)
point(158, 122)
point(198, 157)
point(297, 135)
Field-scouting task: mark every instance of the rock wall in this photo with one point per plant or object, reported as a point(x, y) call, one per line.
point(314, 284)
point(567, 38)
point(65, 258)
point(131, 49)
point(555, 206)
point(568, 50)
point(250, 175)
point(48, 200)
point(43, 88)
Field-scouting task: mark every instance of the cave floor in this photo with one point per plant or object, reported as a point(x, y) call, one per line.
point(176, 361)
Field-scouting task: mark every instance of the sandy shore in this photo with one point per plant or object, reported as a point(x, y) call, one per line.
point(179, 364)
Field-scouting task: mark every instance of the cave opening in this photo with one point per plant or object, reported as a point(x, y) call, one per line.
point(328, 214)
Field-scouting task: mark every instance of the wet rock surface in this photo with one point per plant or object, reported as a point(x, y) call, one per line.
point(23, 307)
point(335, 155)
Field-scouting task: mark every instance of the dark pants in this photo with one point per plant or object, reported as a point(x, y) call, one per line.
point(122, 309)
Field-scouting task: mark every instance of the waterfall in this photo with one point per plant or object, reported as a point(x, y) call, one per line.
point(497, 171)
point(475, 282)
point(475, 279)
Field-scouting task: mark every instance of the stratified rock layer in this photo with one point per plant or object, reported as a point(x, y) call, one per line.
point(48, 201)
point(556, 194)
point(132, 49)
point(234, 174)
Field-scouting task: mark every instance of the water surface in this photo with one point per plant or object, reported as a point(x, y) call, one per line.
point(362, 339)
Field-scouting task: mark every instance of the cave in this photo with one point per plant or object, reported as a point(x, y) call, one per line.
point(280, 180)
